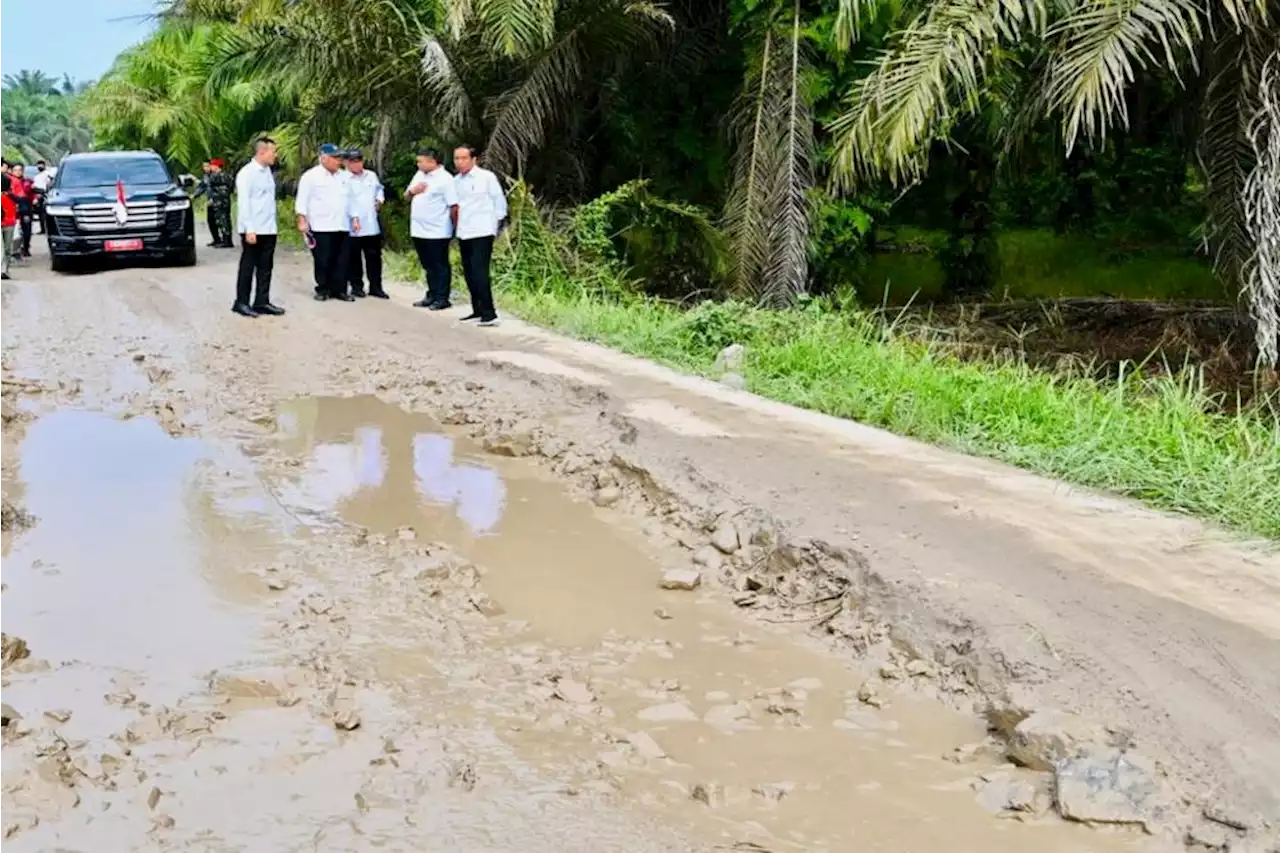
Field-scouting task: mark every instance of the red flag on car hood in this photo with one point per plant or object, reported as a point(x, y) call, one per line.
point(120, 209)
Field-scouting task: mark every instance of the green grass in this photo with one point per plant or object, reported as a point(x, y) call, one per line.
point(1157, 440)
point(1039, 264)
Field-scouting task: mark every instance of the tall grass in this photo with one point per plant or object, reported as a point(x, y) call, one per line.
point(1161, 439)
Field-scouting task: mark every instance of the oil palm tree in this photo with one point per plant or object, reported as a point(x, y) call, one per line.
point(158, 95)
point(942, 67)
point(30, 82)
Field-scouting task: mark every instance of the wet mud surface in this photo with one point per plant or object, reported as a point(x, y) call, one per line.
point(265, 591)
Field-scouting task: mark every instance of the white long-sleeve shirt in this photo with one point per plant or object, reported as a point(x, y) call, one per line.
point(256, 199)
point(323, 199)
point(481, 203)
point(366, 193)
point(429, 216)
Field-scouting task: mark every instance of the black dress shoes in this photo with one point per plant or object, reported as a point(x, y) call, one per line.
point(268, 308)
point(243, 310)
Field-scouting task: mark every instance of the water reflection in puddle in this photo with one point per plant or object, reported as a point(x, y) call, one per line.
point(136, 568)
point(366, 457)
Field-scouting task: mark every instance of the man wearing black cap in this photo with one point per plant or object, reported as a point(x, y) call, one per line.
point(325, 218)
point(365, 248)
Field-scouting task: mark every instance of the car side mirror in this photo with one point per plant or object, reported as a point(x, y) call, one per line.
point(187, 181)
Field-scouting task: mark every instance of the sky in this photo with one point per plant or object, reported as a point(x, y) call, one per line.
point(76, 37)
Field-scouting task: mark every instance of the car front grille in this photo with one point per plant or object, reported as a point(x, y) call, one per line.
point(102, 217)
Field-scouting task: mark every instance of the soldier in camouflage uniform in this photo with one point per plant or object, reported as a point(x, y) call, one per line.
point(218, 186)
point(221, 187)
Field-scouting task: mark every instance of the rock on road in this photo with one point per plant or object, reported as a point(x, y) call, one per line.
point(315, 592)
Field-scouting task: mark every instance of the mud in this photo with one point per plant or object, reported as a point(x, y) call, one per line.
point(282, 591)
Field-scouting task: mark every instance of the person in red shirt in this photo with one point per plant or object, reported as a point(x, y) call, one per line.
point(23, 191)
point(8, 219)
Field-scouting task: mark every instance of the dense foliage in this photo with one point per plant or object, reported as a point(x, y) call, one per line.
point(42, 117)
point(806, 130)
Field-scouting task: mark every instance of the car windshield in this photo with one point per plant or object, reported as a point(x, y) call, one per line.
point(106, 171)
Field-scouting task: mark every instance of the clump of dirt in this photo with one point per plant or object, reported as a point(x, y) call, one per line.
point(14, 649)
point(14, 517)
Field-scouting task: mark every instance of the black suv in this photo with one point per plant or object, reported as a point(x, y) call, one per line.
point(119, 204)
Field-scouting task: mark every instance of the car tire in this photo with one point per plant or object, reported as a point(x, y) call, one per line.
point(185, 258)
point(61, 264)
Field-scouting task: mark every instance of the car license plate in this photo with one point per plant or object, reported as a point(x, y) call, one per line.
point(123, 246)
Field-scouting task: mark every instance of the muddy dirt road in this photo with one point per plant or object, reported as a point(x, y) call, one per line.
point(362, 579)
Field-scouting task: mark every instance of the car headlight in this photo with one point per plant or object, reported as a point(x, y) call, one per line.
point(58, 210)
point(177, 205)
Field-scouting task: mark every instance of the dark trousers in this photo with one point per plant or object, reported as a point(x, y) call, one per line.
point(330, 256)
point(476, 254)
point(365, 255)
point(25, 220)
point(211, 216)
point(434, 257)
point(258, 259)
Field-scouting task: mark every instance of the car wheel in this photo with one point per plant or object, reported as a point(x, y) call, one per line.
point(185, 258)
point(61, 264)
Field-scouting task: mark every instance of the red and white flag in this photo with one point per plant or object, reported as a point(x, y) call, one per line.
point(120, 209)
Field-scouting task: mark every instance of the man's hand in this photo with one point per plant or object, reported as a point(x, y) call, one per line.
point(417, 189)
point(251, 238)
point(302, 223)
point(355, 225)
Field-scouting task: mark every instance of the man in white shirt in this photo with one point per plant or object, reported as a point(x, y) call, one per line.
point(256, 224)
point(324, 218)
point(40, 183)
point(432, 214)
point(482, 207)
point(365, 252)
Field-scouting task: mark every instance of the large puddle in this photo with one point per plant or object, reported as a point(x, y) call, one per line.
point(769, 728)
point(130, 573)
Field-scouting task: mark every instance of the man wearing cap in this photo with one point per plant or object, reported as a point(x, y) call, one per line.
point(325, 217)
point(482, 207)
point(364, 252)
point(432, 212)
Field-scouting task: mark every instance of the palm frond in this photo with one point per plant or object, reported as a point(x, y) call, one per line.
point(517, 28)
point(1098, 47)
point(1260, 202)
point(849, 18)
point(767, 214)
point(1225, 152)
point(747, 206)
point(454, 108)
point(614, 31)
point(934, 74)
point(787, 274)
